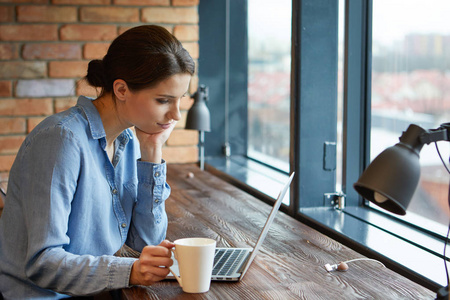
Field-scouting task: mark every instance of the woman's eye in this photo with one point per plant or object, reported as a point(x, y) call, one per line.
point(162, 101)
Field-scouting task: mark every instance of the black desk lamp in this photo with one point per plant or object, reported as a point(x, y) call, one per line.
point(198, 118)
point(392, 177)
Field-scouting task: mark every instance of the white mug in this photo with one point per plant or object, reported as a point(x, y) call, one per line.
point(195, 258)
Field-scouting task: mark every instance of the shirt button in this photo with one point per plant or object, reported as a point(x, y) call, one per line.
point(124, 225)
point(157, 200)
point(157, 174)
point(114, 191)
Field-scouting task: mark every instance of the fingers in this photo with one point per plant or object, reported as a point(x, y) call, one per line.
point(152, 273)
point(156, 256)
point(152, 265)
point(167, 244)
point(163, 249)
point(144, 274)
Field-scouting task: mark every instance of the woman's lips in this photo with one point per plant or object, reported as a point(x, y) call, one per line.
point(165, 126)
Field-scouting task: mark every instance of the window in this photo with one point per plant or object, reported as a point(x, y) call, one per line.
point(411, 84)
point(421, 249)
point(269, 75)
point(332, 113)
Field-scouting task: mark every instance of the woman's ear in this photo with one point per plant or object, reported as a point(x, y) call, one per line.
point(120, 89)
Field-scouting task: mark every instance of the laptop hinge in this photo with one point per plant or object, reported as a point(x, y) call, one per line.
point(244, 262)
point(335, 200)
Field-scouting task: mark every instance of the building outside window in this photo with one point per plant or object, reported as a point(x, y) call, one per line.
point(411, 84)
point(269, 76)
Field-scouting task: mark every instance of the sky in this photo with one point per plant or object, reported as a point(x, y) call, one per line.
point(269, 18)
point(392, 19)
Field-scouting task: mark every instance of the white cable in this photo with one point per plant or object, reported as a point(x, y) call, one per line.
point(342, 266)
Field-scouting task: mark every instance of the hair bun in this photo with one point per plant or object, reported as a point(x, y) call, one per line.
point(96, 73)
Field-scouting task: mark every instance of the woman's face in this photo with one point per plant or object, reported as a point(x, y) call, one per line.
point(154, 110)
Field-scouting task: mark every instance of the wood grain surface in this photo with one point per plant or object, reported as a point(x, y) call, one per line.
point(291, 262)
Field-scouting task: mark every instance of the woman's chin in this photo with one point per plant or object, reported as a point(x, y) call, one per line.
point(149, 131)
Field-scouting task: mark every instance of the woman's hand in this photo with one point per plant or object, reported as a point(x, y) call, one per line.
point(151, 143)
point(153, 264)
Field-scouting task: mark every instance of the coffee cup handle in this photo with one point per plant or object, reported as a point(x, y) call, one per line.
point(178, 278)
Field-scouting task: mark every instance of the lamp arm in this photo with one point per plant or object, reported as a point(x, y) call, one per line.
point(434, 135)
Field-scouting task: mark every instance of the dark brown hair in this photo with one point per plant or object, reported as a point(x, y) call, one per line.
point(142, 56)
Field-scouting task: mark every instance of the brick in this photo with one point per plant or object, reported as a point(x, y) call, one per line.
point(186, 33)
point(5, 88)
point(62, 104)
point(95, 50)
point(143, 2)
point(181, 137)
point(45, 88)
point(84, 89)
point(186, 103)
point(193, 86)
point(83, 32)
point(185, 2)
point(6, 162)
point(10, 144)
point(22, 69)
point(182, 122)
point(28, 32)
point(122, 29)
point(33, 122)
point(64, 69)
point(46, 13)
point(109, 14)
point(83, 2)
point(192, 48)
point(51, 51)
point(25, 1)
point(26, 107)
point(4, 176)
point(8, 51)
point(185, 154)
point(12, 125)
point(6, 14)
point(175, 15)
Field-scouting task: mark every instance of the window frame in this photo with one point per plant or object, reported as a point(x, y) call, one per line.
point(222, 67)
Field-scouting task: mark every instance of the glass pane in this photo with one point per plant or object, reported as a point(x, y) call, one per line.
point(269, 55)
point(340, 95)
point(411, 85)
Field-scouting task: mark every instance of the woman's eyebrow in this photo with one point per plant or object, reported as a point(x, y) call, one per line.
point(166, 96)
point(171, 96)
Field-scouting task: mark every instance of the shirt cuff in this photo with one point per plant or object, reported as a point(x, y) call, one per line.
point(152, 173)
point(120, 272)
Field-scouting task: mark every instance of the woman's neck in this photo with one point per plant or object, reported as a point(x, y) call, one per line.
point(111, 122)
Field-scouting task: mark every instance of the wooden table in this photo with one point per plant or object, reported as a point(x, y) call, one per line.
point(291, 262)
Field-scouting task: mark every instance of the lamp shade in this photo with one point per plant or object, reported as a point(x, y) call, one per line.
point(198, 116)
point(392, 177)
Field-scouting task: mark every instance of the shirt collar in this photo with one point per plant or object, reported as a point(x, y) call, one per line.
point(93, 117)
point(95, 121)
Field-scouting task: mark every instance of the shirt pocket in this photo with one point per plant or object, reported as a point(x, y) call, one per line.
point(131, 191)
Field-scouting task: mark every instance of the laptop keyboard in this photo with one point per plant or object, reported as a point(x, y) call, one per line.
point(227, 260)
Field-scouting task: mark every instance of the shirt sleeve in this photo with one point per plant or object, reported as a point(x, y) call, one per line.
point(50, 164)
point(149, 221)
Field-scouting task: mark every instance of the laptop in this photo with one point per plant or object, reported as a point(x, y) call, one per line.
point(231, 264)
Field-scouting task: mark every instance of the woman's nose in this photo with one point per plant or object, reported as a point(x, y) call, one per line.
point(175, 113)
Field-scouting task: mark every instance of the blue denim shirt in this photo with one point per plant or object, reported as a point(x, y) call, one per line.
point(69, 209)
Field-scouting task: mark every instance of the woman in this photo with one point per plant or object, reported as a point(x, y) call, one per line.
point(82, 185)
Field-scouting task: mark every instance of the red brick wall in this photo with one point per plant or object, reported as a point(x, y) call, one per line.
point(45, 46)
